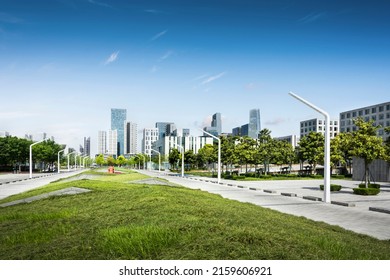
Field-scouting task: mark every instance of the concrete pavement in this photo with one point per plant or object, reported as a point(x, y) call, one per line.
point(11, 184)
point(292, 197)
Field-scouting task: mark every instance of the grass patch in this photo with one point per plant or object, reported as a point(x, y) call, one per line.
point(137, 221)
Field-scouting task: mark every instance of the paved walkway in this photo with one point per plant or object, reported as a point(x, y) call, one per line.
point(269, 194)
point(11, 184)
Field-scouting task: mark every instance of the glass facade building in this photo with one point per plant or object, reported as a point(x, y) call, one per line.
point(118, 119)
point(254, 123)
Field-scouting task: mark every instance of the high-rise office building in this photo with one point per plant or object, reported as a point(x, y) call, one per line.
point(112, 143)
point(87, 146)
point(130, 138)
point(216, 125)
point(118, 118)
point(102, 143)
point(216, 122)
point(164, 129)
point(254, 123)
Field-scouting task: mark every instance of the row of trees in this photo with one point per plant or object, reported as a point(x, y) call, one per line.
point(244, 151)
point(15, 152)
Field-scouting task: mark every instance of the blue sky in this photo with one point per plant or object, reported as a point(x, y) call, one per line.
point(65, 63)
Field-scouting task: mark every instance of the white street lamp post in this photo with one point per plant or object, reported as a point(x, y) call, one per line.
point(59, 165)
point(159, 159)
point(219, 153)
point(182, 158)
point(31, 163)
point(327, 146)
point(84, 160)
point(68, 160)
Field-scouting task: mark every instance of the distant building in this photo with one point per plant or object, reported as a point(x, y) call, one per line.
point(292, 139)
point(318, 125)
point(193, 143)
point(112, 143)
point(118, 119)
point(131, 138)
point(186, 132)
point(150, 135)
point(216, 125)
point(254, 123)
point(244, 130)
point(4, 133)
point(102, 143)
point(236, 131)
point(87, 146)
point(379, 113)
point(165, 129)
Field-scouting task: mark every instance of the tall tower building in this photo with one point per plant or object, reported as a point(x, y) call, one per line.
point(87, 146)
point(254, 123)
point(118, 118)
point(102, 142)
point(130, 138)
point(216, 122)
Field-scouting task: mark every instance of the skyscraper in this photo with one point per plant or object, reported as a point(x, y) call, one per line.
point(254, 123)
point(130, 138)
point(112, 143)
point(87, 146)
point(118, 118)
point(217, 123)
point(165, 129)
point(102, 142)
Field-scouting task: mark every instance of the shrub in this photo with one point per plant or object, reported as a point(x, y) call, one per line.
point(366, 191)
point(333, 188)
point(373, 186)
point(239, 178)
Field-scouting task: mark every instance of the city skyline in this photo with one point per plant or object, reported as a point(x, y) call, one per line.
point(63, 68)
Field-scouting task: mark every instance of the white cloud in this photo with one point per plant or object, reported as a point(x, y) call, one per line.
point(158, 35)
point(313, 17)
point(213, 78)
point(113, 57)
point(100, 4)
point(166, 55)
point(154, 69)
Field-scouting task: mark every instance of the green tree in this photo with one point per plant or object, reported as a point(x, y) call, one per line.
point(246, 150)
point(283, 153)
point(189, 159)
point(47, 152)
point(99, 160)
point(111, 161)
point(340, 151)
point(266, 148)
point(228, 151)
point(207, 154)
point(120, 161)
point(367, 145)
point(174, 157)
point(311, 149)
point(14, 151)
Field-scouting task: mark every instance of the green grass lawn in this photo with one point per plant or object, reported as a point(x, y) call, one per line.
point(118, 220)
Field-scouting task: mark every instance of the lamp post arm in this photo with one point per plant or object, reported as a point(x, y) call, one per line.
point(326, 148)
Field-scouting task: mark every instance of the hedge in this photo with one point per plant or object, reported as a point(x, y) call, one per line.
point(366, 191)
point(333, 188)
